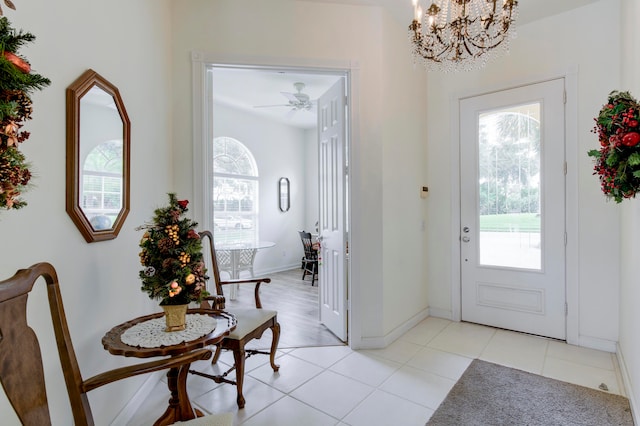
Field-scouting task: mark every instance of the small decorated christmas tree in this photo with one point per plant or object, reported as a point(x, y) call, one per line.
point(171, 253)
point(16, 82)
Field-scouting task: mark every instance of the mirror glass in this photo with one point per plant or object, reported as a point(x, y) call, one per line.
point(283, 194)
point(97, 157)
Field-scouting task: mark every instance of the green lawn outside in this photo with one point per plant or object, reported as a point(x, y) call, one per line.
point(521, 222)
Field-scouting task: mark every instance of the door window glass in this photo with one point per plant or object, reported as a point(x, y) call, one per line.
point(509, 187)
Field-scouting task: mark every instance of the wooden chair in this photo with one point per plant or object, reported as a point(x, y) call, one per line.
point(252, 323)
point(21, 368)
point(310, 259)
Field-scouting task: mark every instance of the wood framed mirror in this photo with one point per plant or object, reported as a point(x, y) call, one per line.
point(284, 201)
point(98, 147)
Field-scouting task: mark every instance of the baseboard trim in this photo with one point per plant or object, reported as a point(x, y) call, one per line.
point(627, 383)
point(381, 342)
point(597, 343)
point(441, 313)
point(267, 271)
point(129, 410)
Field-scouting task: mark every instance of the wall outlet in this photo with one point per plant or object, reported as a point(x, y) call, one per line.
point(424, 191)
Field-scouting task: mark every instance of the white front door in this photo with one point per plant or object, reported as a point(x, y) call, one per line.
point(512, 230)
point(332, 224)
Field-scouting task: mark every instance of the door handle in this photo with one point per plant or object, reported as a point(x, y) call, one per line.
point(466, 239)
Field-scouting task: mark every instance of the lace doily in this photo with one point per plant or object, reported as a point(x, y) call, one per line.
point(151, 334)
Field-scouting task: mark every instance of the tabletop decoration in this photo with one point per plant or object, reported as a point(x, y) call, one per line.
point(174, 270)
point(16, 82)
point(152, 334)
point(617, 162)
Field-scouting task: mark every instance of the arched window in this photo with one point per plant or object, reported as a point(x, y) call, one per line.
point(102, 184)
point(235, 192)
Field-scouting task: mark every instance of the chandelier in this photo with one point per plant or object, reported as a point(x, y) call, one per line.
point(461, 35)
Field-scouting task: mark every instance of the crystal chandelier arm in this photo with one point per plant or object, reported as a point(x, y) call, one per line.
point(461, 34)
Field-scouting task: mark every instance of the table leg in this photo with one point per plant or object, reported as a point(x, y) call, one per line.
point(179, 408)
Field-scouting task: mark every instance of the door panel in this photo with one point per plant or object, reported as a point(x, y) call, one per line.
point(332, 225)
point(512, 209)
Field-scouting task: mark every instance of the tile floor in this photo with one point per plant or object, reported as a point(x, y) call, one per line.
point(400, 385)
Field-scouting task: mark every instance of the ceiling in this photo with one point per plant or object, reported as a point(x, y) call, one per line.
point(529, 10)
point(249, 88)
point(259, 91)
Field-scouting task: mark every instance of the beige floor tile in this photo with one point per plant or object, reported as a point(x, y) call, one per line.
point(463, 339)
point(384, 409)
point(332, 393)
point(441, 363)
point(426, 330)
point(579, 374)
point(516, 350)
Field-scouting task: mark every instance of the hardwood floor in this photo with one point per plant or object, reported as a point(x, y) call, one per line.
point(298, 311)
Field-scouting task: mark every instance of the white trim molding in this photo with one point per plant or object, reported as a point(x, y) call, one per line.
point(202, 61)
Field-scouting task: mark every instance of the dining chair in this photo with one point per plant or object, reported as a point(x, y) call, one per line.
point(251, 324)
point(310, 259)
point(244, 262)
point(21, 367)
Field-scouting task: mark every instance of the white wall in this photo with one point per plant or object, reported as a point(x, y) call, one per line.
point(629, 344)
point(388, 119)
point(279, 151)
point(143, 47)
point(543, 48)
point(126, 42)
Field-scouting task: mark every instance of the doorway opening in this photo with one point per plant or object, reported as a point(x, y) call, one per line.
point(276, 113)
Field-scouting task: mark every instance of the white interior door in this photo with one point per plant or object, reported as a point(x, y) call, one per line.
point(512, 241)
point(332, 223)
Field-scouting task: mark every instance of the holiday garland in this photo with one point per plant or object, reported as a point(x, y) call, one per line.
point(617, 162)
point(9, 4)
point(16, 82)
point(171, 253)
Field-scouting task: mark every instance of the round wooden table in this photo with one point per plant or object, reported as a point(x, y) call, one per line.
point(179, 409)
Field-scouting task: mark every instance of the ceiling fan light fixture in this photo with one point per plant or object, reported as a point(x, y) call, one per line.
point(297, 101)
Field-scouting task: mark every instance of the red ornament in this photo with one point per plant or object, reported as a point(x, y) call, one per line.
point(18, 62)
point(183, 203)
point(633, 123)
point(631, 139)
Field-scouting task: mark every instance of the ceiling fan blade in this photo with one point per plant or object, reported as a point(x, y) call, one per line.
point(291, 113)
point(290, 96)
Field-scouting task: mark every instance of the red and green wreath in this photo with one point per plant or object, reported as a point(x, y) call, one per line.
point(16, 82)
point(617, 162)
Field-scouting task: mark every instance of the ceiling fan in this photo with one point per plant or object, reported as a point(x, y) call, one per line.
point(297, 101)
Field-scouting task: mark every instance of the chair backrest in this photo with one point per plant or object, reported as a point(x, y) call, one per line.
point(307, 244)
point(21, 369)
point(245, 259)
point(214, 260)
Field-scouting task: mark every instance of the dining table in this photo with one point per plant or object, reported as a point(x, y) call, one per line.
point(144, 337)
point(239, 253)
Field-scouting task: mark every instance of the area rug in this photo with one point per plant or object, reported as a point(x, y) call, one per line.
point(491, 394)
